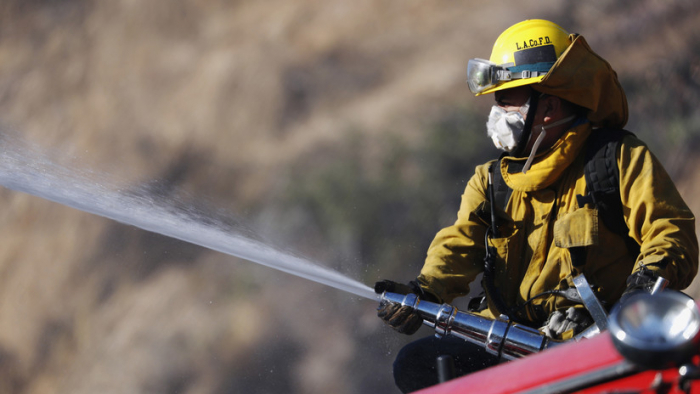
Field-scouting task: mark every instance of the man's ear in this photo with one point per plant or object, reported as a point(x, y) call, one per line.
point(552, 107)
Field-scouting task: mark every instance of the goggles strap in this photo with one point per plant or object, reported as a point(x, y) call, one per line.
point(505, 75)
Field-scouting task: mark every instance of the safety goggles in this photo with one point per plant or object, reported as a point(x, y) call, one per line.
point(483, 74)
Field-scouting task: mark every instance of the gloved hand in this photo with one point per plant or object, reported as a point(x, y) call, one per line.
point(395, 287)
point(403, 319)
point(576, 319)
point(640, 281)
point(400, 288)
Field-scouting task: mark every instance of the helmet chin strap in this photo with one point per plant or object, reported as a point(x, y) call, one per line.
point(527, 127)
point(533, 151)
point(539, 139)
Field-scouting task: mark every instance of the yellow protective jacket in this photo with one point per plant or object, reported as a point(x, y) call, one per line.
point(542, 219)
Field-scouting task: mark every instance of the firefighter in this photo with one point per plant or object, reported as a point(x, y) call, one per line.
point(554, 97)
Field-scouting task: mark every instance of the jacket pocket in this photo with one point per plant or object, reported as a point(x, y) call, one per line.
point(577, 228)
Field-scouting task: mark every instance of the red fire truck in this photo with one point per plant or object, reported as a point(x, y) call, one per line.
point(649, 344)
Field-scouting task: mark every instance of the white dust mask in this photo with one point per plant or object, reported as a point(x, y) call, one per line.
point(506, 127)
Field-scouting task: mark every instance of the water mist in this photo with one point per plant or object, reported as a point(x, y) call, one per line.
point(27, 169)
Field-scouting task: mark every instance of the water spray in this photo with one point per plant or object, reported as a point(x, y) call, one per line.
point(26, 169)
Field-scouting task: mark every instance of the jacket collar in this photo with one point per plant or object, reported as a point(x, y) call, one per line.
point(548, 165)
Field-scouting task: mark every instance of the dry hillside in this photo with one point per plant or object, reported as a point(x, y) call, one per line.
point(244, 107)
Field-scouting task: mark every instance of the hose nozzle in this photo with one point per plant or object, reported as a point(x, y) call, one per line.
point(500, 337)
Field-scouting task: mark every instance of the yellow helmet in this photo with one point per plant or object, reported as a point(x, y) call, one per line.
point(522, 55)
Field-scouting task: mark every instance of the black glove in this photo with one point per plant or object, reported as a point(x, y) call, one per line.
point(640, 281)
point(577, 319)
point(403, 319)
point(400, 288)
point(394, 287)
